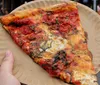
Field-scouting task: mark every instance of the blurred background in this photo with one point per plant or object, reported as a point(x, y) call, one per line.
point(7, 6)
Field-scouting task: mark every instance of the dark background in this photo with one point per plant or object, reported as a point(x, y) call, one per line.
point(8, 5)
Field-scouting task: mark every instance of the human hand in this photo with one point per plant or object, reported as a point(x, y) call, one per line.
point(6, 76)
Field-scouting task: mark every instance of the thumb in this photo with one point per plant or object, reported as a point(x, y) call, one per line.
point(7, 63)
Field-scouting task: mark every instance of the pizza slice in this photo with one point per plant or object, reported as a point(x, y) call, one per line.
point(53, 37)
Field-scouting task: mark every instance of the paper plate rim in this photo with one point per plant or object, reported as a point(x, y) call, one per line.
point(79, 4)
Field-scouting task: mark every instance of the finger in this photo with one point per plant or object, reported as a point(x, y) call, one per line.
point(7, 63)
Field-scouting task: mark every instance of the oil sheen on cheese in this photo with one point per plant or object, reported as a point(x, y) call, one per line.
point(54, 43)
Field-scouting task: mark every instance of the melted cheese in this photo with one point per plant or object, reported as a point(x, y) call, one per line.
point(37, 17)
point(85, 78)
point(74, 39)
point(57, 42)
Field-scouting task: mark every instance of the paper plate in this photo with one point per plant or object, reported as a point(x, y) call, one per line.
point(30, 73)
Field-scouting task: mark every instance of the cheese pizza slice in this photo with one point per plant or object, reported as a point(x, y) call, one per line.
point(54, 38)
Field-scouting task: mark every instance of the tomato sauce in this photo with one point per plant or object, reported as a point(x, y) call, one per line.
point(64, 22)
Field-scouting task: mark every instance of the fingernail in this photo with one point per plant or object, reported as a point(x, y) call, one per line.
point(8, 53)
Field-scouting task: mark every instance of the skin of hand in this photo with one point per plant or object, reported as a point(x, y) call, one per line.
point(6, 75)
